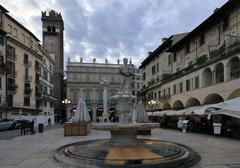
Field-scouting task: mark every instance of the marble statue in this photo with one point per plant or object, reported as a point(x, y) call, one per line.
point(81, 60)
point(127, 72)
point(94, 60)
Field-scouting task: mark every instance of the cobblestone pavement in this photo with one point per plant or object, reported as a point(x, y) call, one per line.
point(36, 151)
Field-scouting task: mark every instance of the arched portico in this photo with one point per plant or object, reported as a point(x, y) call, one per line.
point(166, 106)
point(192, 102)
point(212, 99)
point(178, 105)
point(234, 94)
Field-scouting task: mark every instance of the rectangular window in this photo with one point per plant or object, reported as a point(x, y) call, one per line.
point(2, 39)
point(15, 32)
point(155, 95)
point(157, 67)
point(153, 69)
point(225, 24)
point(45, 75)
point(174, 89)
point(187, 49)
point(181, 87)
point(201, 39)
point(23, 38)
point(170, 59)
point(174, 57)
point(1, 60)
point(144, 76)
point(25, 59)
point(159, 94)
point(197, 82)
point(187, 85)
point(10, 29)
point(0, 83)
point(26, 101)
point(169, 91)
point(51, 104)
point(26, 73)
point(27, 41)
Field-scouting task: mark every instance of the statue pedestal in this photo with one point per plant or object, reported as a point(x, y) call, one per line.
point(76, 129)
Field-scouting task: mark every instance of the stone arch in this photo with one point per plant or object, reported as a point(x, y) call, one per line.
point(207, 77)
point(212, 99)
point(192, 102)
point(219, 73)
point(166, 106)
point(178, 105)
point(234, 94)
point(234, 66)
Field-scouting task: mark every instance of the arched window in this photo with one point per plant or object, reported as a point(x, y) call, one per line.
point(219, 73)
point(49, 28)
point(53, 29)
point(235, 68)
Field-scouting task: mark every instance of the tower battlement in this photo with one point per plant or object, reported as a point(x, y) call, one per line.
point(52, 14)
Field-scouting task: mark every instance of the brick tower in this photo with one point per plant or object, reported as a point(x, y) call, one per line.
point(53, 27)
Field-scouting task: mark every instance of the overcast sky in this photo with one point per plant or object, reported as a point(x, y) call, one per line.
point(114, 29)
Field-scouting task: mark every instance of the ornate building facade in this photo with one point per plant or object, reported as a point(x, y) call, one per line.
point(204, 64)
point(84, 81)
point(24, 68)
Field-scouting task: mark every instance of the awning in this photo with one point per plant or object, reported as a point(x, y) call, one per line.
point(149, 113)
point(162, 113)
point(231, 105)
point(228, 113)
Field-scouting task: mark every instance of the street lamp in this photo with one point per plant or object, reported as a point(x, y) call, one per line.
point(65, 102)
point(151, 103)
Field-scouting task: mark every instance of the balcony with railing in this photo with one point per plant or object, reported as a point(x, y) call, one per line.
point(12, 74)
point(27, 63)
point(28, 78)
point(11, 56)
point(214, 56)
point(12, 88)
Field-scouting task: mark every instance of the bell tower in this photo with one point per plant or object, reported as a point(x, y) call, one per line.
point(52, 39)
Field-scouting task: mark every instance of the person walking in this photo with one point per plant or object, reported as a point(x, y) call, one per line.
point(23, 127)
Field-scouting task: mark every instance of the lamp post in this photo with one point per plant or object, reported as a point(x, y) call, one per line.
point(65, 102)
point(151, 103)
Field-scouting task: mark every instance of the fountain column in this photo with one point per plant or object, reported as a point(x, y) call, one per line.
point(105, 113)
point(105, 83)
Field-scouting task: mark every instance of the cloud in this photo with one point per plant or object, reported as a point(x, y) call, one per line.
point(115, 28)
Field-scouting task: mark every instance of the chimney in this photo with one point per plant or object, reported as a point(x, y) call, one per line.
point(215, 10)
point(163, 40)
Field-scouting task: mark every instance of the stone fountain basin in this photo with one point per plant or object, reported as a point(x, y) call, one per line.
point(119, 126)
point(124, 134)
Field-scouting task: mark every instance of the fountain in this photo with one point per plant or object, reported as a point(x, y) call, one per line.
point(124, 149)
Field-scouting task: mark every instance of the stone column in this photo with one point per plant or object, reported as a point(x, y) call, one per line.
point(213, 77)
point(226, 72)
point(94, 114)
point(105, 98)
